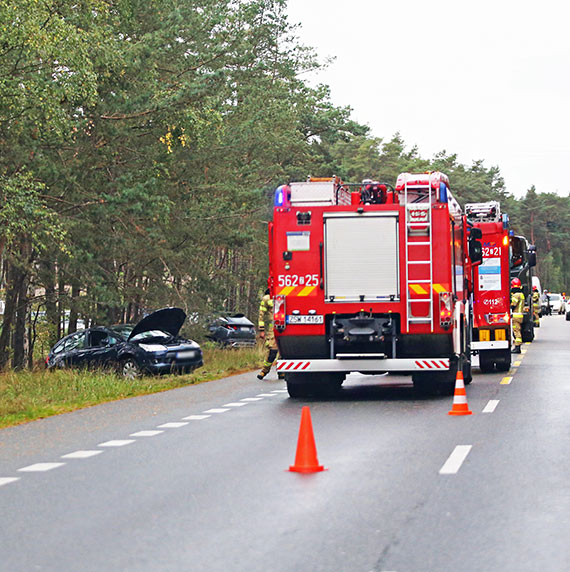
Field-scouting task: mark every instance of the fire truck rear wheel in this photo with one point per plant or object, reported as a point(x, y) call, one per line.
point(424, 383)
point(313, 384)
point(504, 364)
point(528, 332)
point(486, 363)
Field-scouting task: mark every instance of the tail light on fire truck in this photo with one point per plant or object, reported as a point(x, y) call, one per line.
point(279, 316)
point(497, 318)
point(445, 309)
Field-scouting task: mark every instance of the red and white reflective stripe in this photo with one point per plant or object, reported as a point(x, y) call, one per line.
point(431, 364)
point(292, 365)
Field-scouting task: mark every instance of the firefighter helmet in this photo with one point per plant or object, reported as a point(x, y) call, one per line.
point(515, 283)
point(535, 287)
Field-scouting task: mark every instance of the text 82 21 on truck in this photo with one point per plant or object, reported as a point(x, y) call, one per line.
point(370, 278)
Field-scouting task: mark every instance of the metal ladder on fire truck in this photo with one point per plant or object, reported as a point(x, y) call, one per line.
point(418, 215)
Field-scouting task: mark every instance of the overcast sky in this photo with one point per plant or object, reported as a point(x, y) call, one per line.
point(487, 80)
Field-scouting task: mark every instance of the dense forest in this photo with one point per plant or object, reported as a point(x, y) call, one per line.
point(140, 143)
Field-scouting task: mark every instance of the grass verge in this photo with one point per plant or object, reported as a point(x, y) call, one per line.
point(29, 395)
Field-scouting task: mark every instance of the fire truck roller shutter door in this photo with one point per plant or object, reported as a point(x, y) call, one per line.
point(361, 257)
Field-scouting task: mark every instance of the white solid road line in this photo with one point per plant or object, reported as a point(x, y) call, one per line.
point(7, 480)
point(145, 433)
point(81, 454)
point(117, 443)
point(173, 425)
point(455, 460)
point(41, 467)
point(490, 407)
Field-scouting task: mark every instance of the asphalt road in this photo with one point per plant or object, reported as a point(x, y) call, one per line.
point(196, 479)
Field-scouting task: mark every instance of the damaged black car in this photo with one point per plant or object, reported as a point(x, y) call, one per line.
point(152, 346)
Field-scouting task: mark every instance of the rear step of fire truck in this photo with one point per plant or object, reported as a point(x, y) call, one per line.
point(418, 234)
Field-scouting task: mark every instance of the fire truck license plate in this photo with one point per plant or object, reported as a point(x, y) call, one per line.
point(314, 319)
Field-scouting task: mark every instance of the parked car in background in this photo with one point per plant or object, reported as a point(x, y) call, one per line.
point(232, 331)
point(151, 346)
point(556, 302)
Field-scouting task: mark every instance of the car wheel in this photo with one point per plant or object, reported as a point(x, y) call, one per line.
point(130, 369)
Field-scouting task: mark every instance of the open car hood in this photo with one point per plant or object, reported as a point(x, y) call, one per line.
point(168, 320)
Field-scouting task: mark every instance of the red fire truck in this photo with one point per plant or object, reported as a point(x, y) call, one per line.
point(369, 278)
point(491, 296)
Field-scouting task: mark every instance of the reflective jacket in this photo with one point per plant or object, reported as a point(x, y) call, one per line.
point(517, 301)
point(265, 312)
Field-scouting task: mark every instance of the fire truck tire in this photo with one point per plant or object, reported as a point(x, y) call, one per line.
point(441, 383)
point(467, 373)
point(528, 332)
point(486, 362)
point(504, 364)
point(424, 383)
point(313, 384)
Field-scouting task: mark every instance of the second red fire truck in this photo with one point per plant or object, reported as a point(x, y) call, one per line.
point(491, 293)
point(371, 278)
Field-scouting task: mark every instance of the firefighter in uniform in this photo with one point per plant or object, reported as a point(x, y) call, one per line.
point(266, 315)
point(517, 308)
point(536, 306)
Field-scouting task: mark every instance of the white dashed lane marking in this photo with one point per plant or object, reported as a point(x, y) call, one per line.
point(85, 454)
point(81, 454)
point(117, 443)
point(491, 406)
point(41, 467)
point(455, 460)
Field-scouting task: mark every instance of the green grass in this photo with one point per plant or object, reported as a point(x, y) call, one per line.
point(29, 395)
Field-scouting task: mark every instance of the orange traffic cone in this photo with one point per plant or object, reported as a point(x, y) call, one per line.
point(306, 458)
point(460, 406)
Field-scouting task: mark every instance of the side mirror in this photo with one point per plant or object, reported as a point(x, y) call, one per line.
point(475, 233)
point(475, 251)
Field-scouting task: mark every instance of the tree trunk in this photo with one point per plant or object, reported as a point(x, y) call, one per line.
point(61, 308)
point(47, 279)
point(73, 313)
point(19, 343)
point(9, 313)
